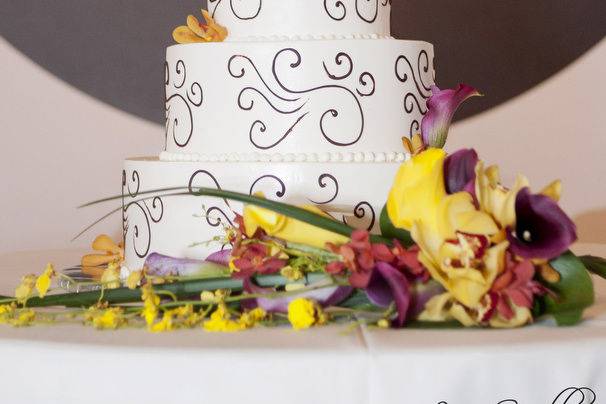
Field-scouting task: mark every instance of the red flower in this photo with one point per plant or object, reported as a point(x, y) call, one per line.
point(516, 286)
point(255, 258)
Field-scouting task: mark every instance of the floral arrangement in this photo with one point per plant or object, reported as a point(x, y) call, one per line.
point(457, 248)
point(197, 32)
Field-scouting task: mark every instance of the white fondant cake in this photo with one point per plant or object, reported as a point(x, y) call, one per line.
point(281, 109)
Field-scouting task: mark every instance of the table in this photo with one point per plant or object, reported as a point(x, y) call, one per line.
point(72, 364)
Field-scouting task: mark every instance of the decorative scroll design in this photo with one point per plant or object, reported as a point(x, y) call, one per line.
point(363, 211)
point(404, 71)
point(322, 182)
point(178, 107)
point(367, 10)
point(279, 193)
point(238, 12)
point(366, 80)
point(215, 215)
point(571, 395)
point(149, 213)
point(288, 101)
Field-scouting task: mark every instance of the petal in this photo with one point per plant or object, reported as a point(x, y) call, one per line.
point(399, 288)
point(184, 35)
point(441, 108)
point(460, 171)
point(543, 230)
point(220, 257)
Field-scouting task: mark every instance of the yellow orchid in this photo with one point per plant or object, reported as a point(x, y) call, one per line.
point(445, 307)
point(108, 252)
point(25, 289)
point(111, 277)
point(105, 319)
point(305, 313)
point(196, 32)
point(221, 321)
point(286, 228)
point(43, 282)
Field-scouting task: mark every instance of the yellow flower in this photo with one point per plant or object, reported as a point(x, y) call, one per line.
point(23, 318)
point(445, 307)
point(166, 324)
point(108, 319)
point(108, 252)
point(134, 279)
point(111, 277)
point(289, 229)
point(251, 318)
point(44, 281)
point(418, 190)
point(150, 304)
point(221, 321)
point(6, 313)
point(25, 289)
point(304, 313)
point(196, 32)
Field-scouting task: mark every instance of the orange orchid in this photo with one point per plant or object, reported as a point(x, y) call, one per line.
point(197, 32)
point(108, 253)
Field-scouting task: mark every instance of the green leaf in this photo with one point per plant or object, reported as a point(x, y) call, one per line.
point(574, 291)
point(182, 289)
point(388, 230)
point(597, 265)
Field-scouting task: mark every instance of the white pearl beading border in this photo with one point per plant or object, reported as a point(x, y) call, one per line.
point(308, 37)
point(334, 157)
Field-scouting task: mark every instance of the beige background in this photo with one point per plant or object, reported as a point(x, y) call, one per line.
point(62, 148)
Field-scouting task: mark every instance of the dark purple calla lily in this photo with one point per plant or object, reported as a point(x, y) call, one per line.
point(460, 171)
point(328, 296)
point(542, 230)
point(388, 285)
point(441, 108)
point(163, 265)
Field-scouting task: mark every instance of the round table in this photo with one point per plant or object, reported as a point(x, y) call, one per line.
point(337, 364)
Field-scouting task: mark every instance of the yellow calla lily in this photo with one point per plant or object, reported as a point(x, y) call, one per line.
point(418, 190)
point(286, 228)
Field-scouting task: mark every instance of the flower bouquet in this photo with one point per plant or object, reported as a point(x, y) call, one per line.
point(457, 248)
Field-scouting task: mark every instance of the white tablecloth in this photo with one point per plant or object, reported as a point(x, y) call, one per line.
point(73, 364)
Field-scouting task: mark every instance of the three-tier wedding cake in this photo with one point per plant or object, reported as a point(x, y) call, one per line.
point(305, 101)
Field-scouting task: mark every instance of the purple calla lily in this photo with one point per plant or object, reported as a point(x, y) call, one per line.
point(441, 108)
point(460, 171)
point(221, 257)
point(325, 296)
point(388, 285)
point(163, 265)
point(542, 230)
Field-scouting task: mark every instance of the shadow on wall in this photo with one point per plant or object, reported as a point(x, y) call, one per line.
point(591, 226)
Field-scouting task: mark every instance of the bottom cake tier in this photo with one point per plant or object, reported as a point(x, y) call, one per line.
point(189, 226)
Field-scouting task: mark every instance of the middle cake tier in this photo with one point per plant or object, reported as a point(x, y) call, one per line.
point(245, 101)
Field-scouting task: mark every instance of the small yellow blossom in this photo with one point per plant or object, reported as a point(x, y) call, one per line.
point(134, 279)
point(6, 313)
point(111, 277)
point(304, 313)
point(108, 319)
point(383, 323)
point(221, 321)
point(23, 318)
point(292, 274)
point(25, 289)
point(251, 318)
point(166, 324)
point(150, 304)
point(43, 282)
point(207, 297)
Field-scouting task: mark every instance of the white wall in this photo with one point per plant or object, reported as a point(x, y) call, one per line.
point(61, 148)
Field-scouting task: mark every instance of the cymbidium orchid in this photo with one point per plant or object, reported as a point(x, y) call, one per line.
point(441, 107)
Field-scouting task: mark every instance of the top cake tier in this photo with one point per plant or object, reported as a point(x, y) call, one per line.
point(250, 20)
